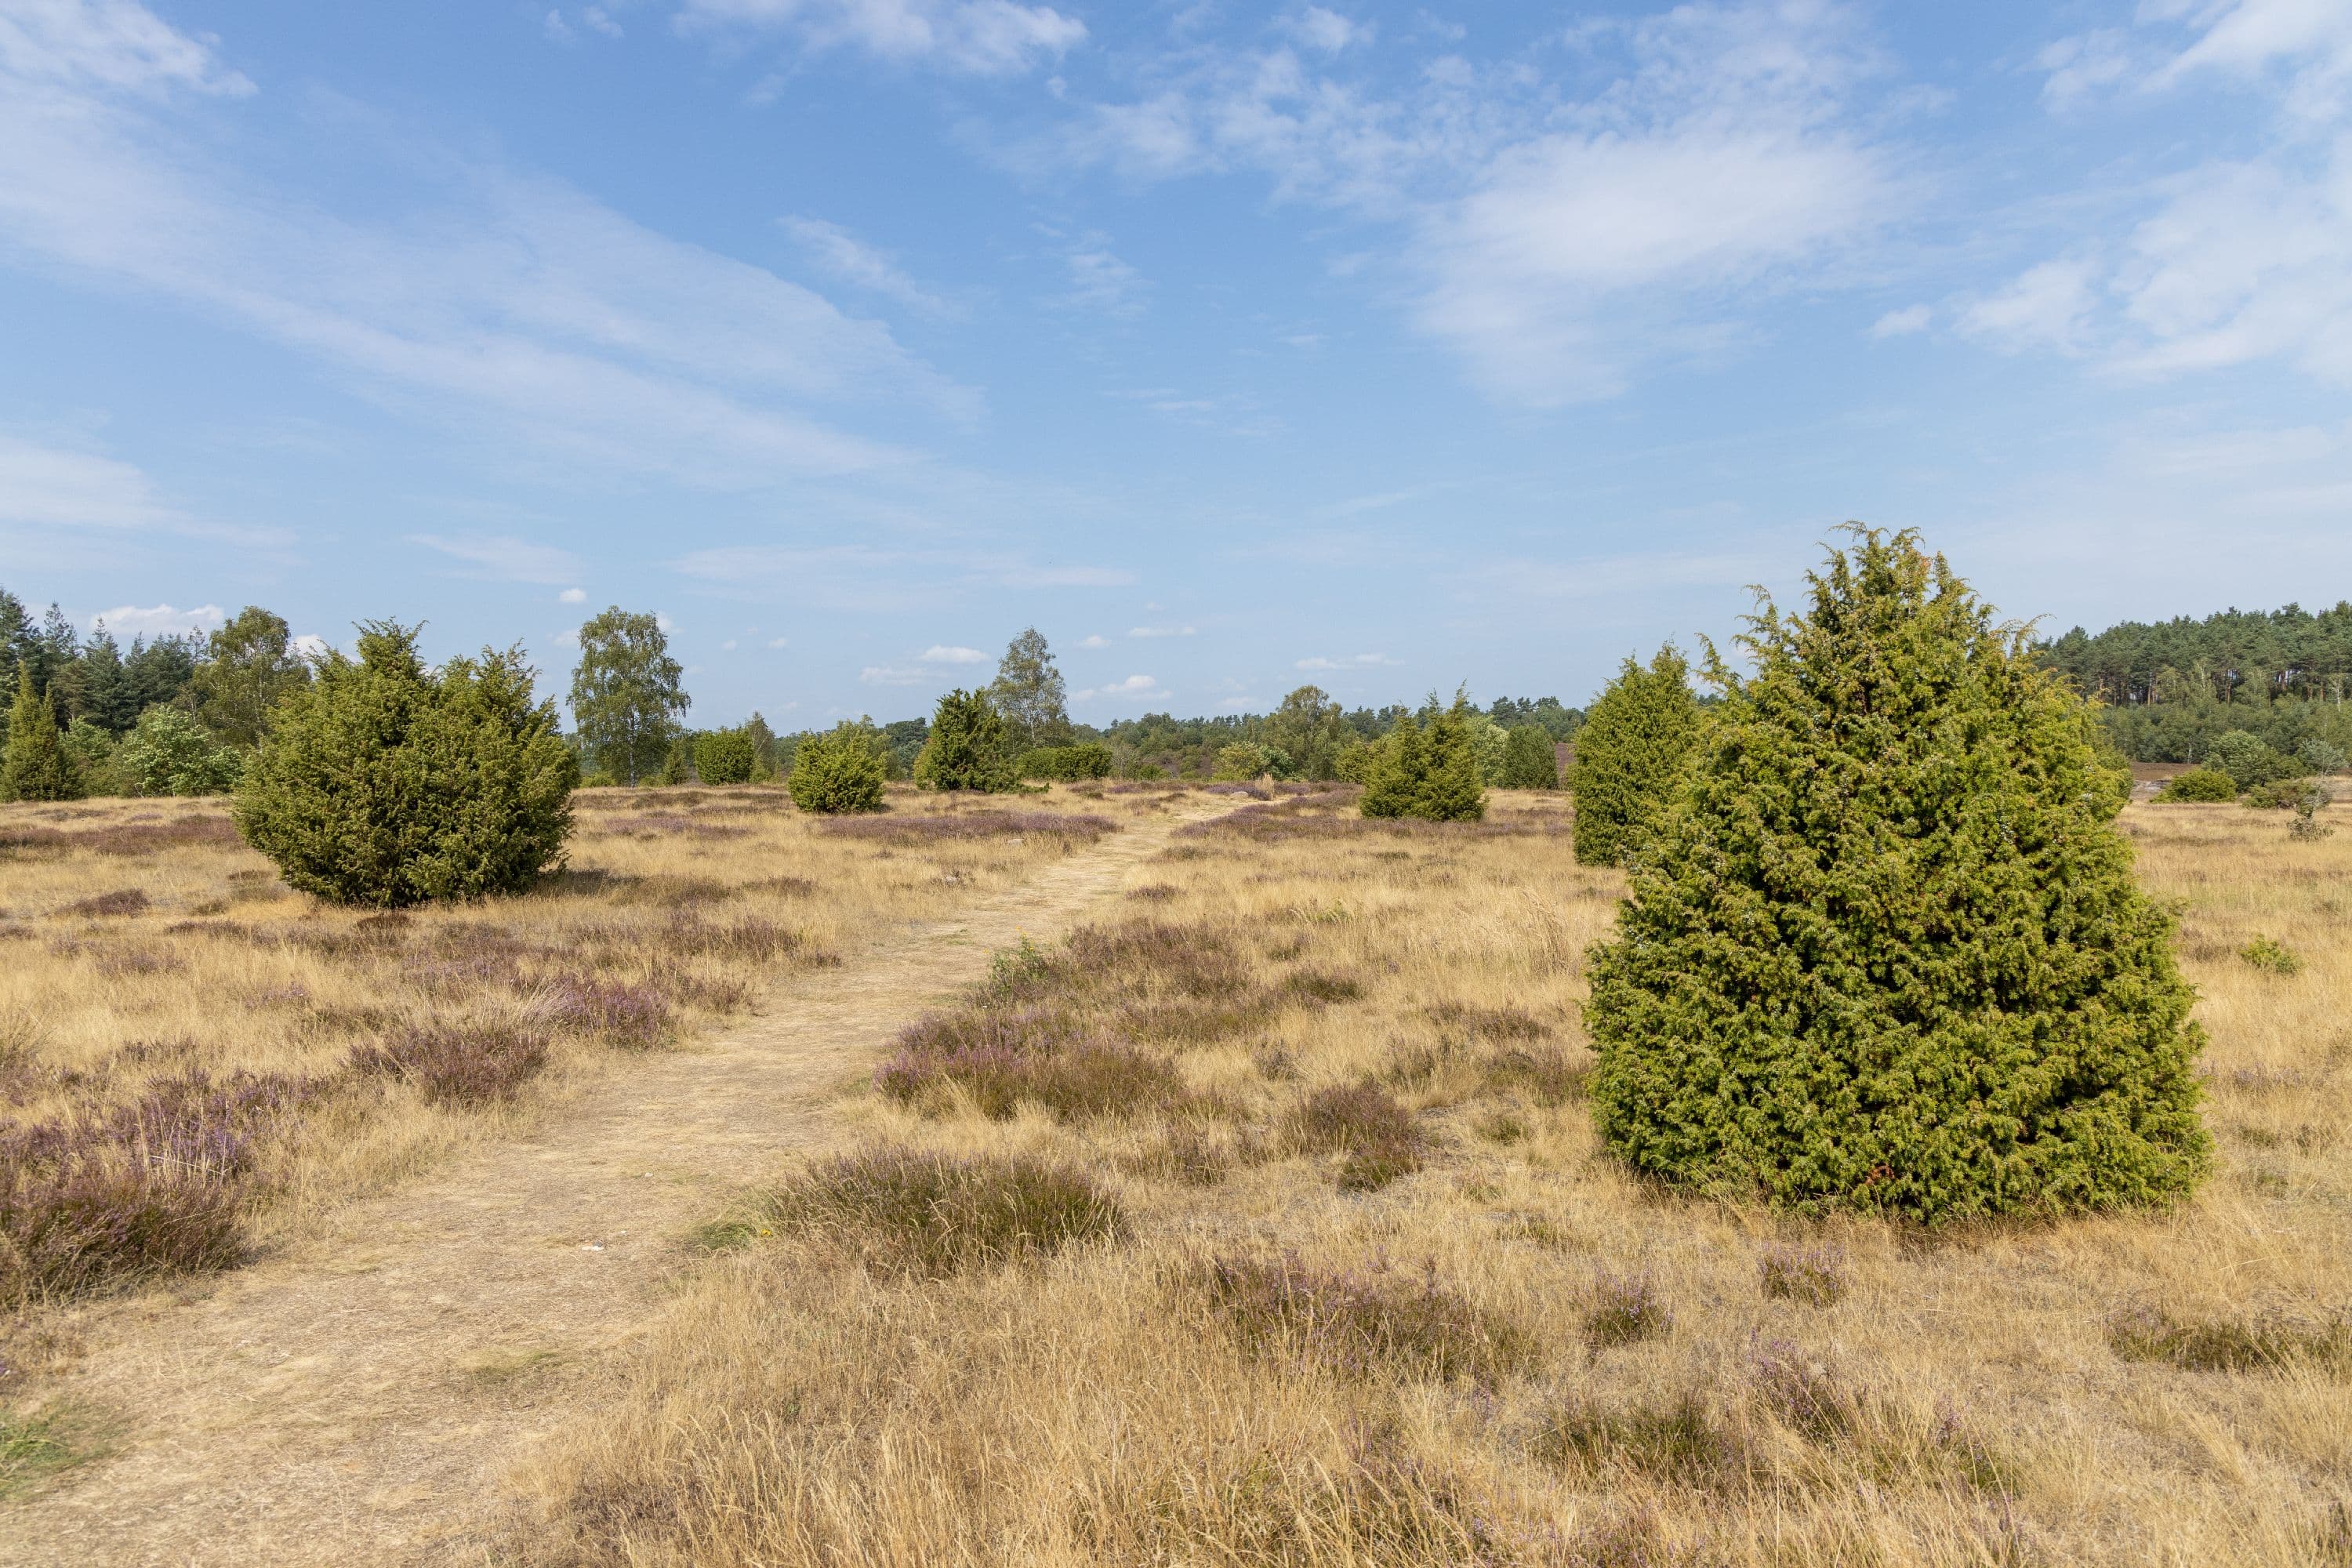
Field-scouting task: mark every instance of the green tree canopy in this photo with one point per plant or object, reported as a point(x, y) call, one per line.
point(168, 753)
point(726, 756)
point(966, 749)
point(626, 694)
point(38, 767)
point(1309, 729)
point(386, 783)
point(1886, 951)
point(1029, 692)
point(1427, 771)
point(1629, 753)
point(250, 666)
point(840, 771)
point(1528, 760)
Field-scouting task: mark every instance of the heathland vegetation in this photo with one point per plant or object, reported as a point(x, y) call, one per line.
point(1842, 1126)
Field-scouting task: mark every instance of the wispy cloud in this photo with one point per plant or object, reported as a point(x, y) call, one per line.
point(1134, 689)
point(160, 620)
point(1353, 661)
point(510, 559)
point(982, 38)
point(849, 259)
point(936, 653)
point(1160, 631)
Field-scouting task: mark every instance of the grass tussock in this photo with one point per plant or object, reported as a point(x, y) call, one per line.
point(1378, 1136)
point(1362, 1320)
point(908, 1211)
point(459, 1064)
point(2270, 1339)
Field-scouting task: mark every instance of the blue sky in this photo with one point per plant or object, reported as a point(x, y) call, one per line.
point(1387, 347)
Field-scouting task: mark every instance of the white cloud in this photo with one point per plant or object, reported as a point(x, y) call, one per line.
point(777, 642)
point(510, 560)
point(598, 18)
point(1159, 631)
point(727, 647)
point(52, 488)
point(1902, 323)
point(663, 623)
point(1100, 281)
point(1327, 30)
point(1098, 641)
point(986, 38)
point(160, 620)
point(2047, 305)
point(844, 255)
point(1355, 661)
point(572, 597)
point(557, 29)
point(893, 675)
point(936, 654)
point(494, 298)
point(114, 43)
point(1134, 688)
point(309, 645)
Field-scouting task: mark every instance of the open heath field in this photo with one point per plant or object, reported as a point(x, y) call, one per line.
point(194, 1060)
point(1263, 1222)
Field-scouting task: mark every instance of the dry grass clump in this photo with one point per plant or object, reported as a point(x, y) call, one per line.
point(1378, 1135)
point(910, 1212)
point(149, 950)
point(1242, 1379)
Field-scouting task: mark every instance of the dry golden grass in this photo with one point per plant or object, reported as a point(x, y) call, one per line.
point(1502, 1349)
point(143, 947)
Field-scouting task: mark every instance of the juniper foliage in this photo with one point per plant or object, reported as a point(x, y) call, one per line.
point(1429, 772)
point(1629, 757)
point(840, 771)
point(1528, 760)
point(384, 782)
point(38, 767)
point(966, 747)
point(1886, 952)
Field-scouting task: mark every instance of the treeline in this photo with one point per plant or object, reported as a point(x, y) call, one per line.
point(2172, 690)
point(170, 715)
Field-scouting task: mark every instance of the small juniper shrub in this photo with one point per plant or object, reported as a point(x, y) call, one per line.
point(1364, 1320)
point(454, 1064)
point(154, 1185)
point(2262, 1341)
point(1679, 1440)
point(1813, 1275)
point(1378, 1135)
point(2199, 785)
point(2271, 955)
point(930, 1215)
point(1625, 1308)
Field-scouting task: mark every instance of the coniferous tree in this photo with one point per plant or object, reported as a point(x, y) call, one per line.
point(38, 767)
point(1630, 755)
point(838, 772)
point(159, 671)
point(625, 696)
point(1886, 951)
point(387, 782)
point(1030, 693)
point(110, 698)
point(1397, 771)
point(763, 747)
point(1429, 772)
point(967, 746)
point(1528, 760)
point(726, 756)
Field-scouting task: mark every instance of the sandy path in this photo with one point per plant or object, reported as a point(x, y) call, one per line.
point(353, 1400)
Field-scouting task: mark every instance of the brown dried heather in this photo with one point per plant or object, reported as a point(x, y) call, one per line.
point(120, 902)
point(1376, 1132)
point(951, 826)
point(459, 1063)
point(1625, 1308)
point(635, 1017)
point(1364, 1320)
point(1002, 1058)
point(905, 1211)
point(1813, 1275)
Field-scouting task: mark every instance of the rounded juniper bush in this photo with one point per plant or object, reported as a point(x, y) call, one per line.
point(840, 771)
point(1629, 755)
point(1886, 951)
point(384, 782)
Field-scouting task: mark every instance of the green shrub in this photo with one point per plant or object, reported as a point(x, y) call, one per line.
point(39, 766)
point(2320, 756)
point(1630, 756)
point(168, 753)
point(677, 765)
point(2270, 953)
point(841, 771)
point(725, 756)
point(383, 782)
point(1242, 760)
point(2198, 785)
point(1886, 951)
point(1087, 760)
point(1528, 760)
point(1427, 772)
point(2249, 760)
point(966, 747)
point(2280, 794)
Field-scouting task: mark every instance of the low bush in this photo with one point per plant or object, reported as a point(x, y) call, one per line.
point(2267, 953)
point(1679, 1440)
point(1068, 764)
point(385, 782)
point(2250, 759)
point(2199, 785)
point(1363, 1320)
point(726, 756)
point(904, 1212)
point(2281, 795)
point(1378, 1135)
point(1625, 1308)
point(839, 772)
point(1813, 1275)
point(459, 1063)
